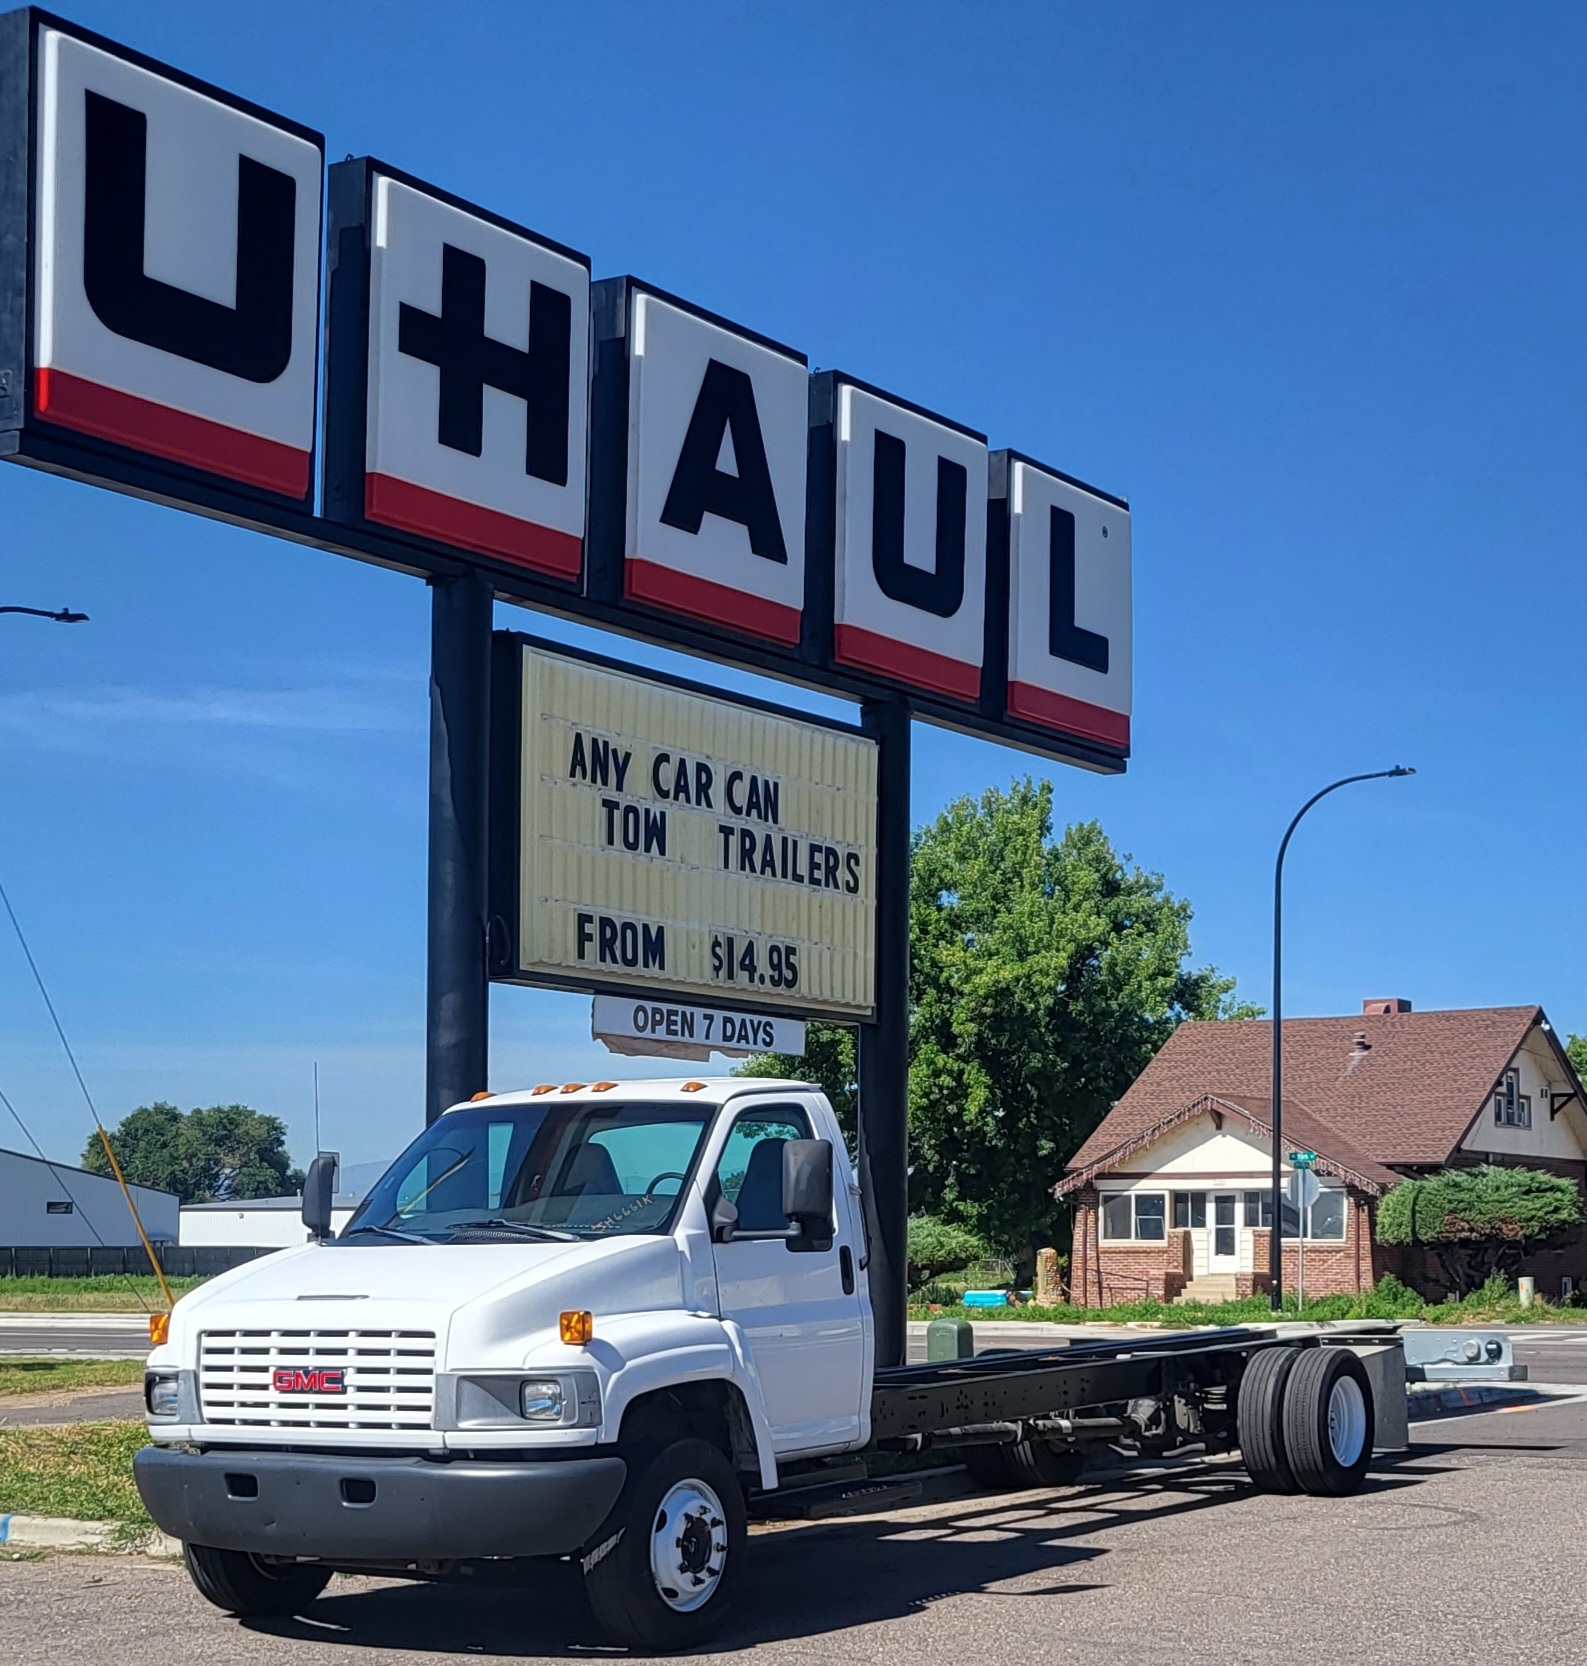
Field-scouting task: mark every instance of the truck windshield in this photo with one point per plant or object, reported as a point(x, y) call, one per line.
point(548, 1169)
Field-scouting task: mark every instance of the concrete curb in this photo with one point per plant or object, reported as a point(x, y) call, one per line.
point(61, 1533)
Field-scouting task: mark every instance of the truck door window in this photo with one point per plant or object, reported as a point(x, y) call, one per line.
point(750, 1170)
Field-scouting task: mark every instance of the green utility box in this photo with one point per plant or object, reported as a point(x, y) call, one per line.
point(950, 1339)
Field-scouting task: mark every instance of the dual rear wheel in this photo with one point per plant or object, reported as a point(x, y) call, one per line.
point(1305, 1421)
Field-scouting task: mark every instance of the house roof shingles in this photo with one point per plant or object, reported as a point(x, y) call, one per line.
point(1405, 1099)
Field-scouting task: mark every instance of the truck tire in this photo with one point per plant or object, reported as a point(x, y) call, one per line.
point(660, 1574)
point(1328, 1422)
point(248, 1585)
point(1021, 1465)
point(1259, 1419)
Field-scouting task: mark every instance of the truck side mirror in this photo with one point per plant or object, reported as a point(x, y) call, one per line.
point(724, 1218)
point(319, 1188)
point(807, 1185)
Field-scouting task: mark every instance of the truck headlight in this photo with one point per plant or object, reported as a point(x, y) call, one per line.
point(161, 1394)
point(542, 1399)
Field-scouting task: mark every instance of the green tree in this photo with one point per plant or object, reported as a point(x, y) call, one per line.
point(1044, 975)
point(1482, 1221)
point(1576, 1052)
point(210, 1154)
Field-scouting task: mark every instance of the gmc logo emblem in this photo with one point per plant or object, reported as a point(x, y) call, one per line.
point(289, 1381)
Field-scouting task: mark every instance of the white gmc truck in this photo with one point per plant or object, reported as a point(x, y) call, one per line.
point(609, 1322)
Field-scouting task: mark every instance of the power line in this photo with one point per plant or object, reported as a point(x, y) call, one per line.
point(93, 1110)
point(60, 1180)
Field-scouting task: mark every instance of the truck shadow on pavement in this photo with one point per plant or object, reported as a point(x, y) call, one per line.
point(1014, 1545)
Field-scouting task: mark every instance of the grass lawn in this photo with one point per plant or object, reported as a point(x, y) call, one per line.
point(47, 1376)
point(107, 1294)
point(1489, 1306)
point(83, 1471)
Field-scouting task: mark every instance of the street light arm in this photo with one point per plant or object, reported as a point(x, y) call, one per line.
point(1276, 1115)
point(62, 616)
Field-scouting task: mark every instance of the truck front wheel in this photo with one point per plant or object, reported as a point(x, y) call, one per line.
point(247, 1585)
point(661, 1573)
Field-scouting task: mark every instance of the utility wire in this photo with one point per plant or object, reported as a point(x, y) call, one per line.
point(60, 1180)
point(93, 1110)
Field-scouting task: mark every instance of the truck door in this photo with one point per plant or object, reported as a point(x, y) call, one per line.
point(798, 1307)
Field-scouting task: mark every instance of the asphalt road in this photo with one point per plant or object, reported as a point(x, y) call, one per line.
point(1463, 1551)
point(76, 1335)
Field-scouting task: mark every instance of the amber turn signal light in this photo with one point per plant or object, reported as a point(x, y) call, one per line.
point(159, 1328)
point(577, 1328)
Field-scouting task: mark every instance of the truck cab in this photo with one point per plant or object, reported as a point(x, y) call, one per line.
point(559, 1313)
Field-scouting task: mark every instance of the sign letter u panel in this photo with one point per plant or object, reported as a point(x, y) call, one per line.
point(176, 270)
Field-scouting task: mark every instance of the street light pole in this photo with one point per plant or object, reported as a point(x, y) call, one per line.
point(1275, 1241)
point(64, 616)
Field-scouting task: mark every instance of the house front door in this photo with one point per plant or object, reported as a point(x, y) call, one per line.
point(1223, 1249)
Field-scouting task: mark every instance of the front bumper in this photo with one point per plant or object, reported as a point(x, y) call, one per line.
point(376, 1509)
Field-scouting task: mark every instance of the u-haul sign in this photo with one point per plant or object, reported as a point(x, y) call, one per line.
point(667, 838)
point(603, 450)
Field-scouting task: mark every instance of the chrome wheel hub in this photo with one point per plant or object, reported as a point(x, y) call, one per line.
point(688, 1546)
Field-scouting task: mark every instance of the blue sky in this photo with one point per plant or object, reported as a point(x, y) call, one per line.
point(1304, 282)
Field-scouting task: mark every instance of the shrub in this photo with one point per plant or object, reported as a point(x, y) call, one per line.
point(937, 1247)
point(1483, 1222)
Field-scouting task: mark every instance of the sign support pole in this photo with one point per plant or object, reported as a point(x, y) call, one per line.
point(457, 998)
point(884, 1043)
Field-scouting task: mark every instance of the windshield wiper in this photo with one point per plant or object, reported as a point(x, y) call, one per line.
point(388, 1232)
point(497, 1224)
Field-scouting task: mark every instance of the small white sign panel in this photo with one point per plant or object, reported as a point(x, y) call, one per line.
point(910, 596)
point(717, 425)
point(1069, 607)
point(478, 400)
point(672, 1030)
point(176, 270)
point(692, 845)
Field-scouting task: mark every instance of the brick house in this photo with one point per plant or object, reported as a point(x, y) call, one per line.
point(1171, 1190)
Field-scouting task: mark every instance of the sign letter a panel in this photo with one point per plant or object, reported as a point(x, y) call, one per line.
point(176, 250)
point(466, 375)
point(717, 420)
point(910, 548)
point(1069, 645)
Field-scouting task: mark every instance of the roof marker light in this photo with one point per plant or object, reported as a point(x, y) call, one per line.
point(573, 1087)
point(601, 1087)
point(484, 1093)
point(692, 1087)
point(545, 1087)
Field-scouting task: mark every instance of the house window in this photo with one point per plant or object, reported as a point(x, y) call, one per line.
point(1190, 1209)
point(57, 1208)
point(1326, 1217)
point(1131, 1215)
point(1511, 1107)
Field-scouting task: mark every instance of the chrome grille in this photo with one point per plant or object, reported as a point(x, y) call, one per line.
point(388, 1376)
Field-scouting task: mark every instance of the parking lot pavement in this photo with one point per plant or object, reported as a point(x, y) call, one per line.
point(1463, 1550)
point(90, 1406)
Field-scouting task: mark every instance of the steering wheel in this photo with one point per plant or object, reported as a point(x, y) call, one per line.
point(666, 1174)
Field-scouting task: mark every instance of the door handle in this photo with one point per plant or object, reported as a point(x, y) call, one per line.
point(846, 1269)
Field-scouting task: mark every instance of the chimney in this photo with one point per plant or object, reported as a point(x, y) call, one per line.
point(1384, 1006)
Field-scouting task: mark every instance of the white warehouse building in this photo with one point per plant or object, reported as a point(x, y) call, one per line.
point(265, 1223)
point(55, 1206)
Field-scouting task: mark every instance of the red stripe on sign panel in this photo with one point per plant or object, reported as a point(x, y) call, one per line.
point(470, 526)
point(853, 646)
point(716, 604)
point(160, 431)
point(1074, 717)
